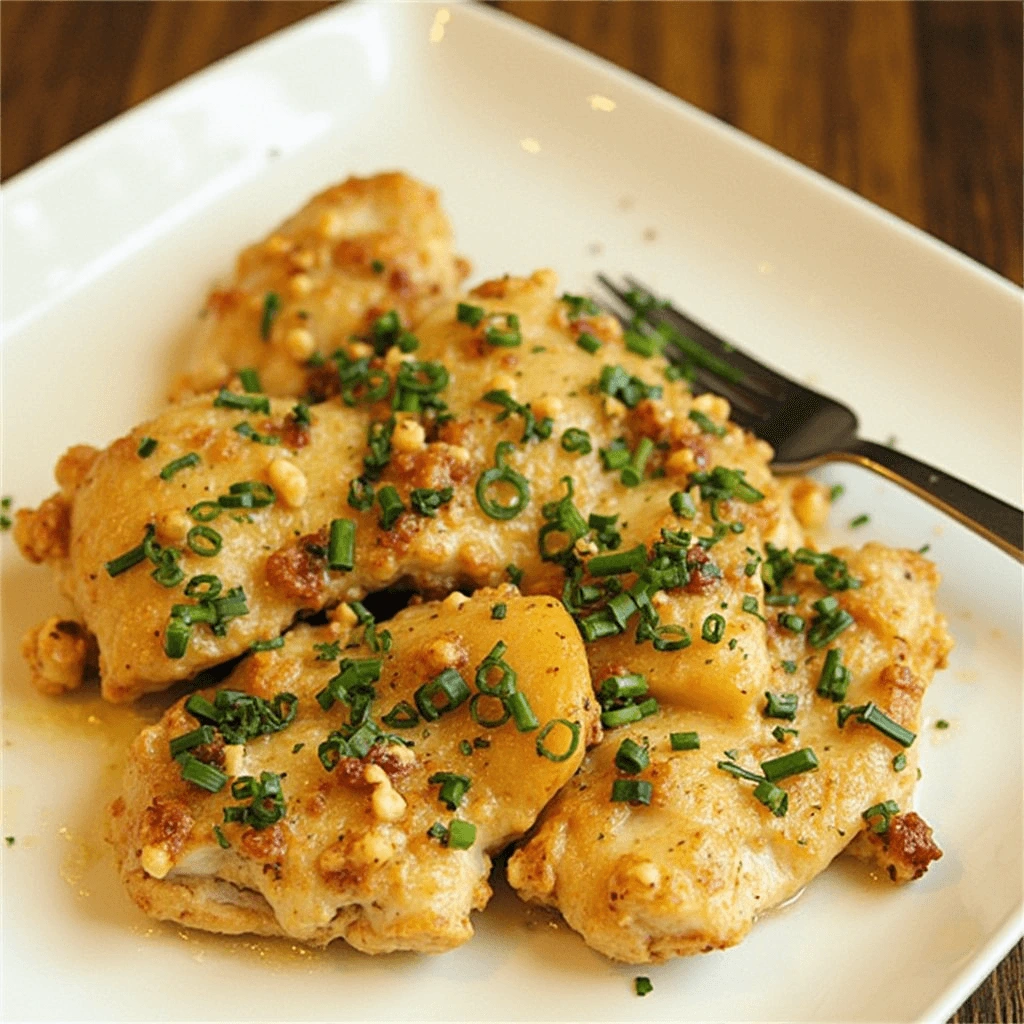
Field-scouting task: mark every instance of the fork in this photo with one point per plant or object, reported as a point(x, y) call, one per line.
point(805, 427)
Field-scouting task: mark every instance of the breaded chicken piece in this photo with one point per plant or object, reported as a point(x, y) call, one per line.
point(353, 253)
point(474, 469)
point(360, 844)
point(693, 870)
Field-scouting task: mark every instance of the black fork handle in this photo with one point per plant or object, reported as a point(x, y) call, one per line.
point(994, 519)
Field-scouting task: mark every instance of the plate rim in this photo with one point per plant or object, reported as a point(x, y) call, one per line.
point(958, 988)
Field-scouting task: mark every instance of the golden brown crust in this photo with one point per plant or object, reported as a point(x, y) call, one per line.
point(351, 858)
point(904, 851)
point(42, 534)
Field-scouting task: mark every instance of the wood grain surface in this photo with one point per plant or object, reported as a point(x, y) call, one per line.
point(915, 105)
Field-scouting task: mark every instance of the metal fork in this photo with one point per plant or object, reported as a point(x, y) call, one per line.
point(806, 428)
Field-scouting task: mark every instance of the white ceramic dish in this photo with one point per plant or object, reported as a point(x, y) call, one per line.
point(109, 246)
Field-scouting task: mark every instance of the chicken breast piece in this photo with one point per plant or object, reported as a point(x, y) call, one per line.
point(694, 868)
point(457, 487)
point(353, 253)
point(380, 834)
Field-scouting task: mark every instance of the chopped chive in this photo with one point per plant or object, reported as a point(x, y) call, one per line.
point(634, 560)
point(426, 501)
point(835, 677)
point(631, 757)
point(836, 492)
point(297, 747)
point(621, 716)
point(271, 307)
point(124, 562)
point(391, 506)
point(795, 763)
point(499, 610)
point(632, 791)
point(192, 459)
point(780, 732)
point(511, 337)
point(146, 447)
point(622, 687)
point(899, 762)
point(514, 573)
point(467, 314)
point(789, 667)
point(250, 379)
point(880, 815)
point(642, 985)
point(708, 425)
point(196, 738)
point(275, 643)
point(205, 511)
point(860, 520)
point(222, 840)
point(781, 705)
point(738, 770)
point(871, 714)
point(341, 545)
point(924, 549)
point(502, 474)
point(176, 638)
point(377, 266)
point(461, 834)
point(205, 776)
point(713, 628)
point(588, 342)
point(453, 788)
point(794, 623)
point(578, 441)
point(684, 740)
point(775, 798)
point(450, 686)
point(235, 400)
point(942, 724)
point(749, 605)
point(574, 740)
point(682, 505)
point(522, 714)
point(633, 473)
point(204, 541)
point(402, 716)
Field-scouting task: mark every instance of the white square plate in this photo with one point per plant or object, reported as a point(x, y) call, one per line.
point(108, 249)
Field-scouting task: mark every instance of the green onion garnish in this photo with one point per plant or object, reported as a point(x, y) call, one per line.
point(642, 985)
point(588, 342)
point(204, 541)
point(682, 505)
point(189, 740)
point(192, 459)
point(461, 834)
point(836, 492)
point(713, 629)
point(250, 379)
point(391, 507)
point(632, 791)
point(234, 400)
point(176, 638)
point(684, 740)
point(631, 757)
point(341, 545)
point(205, 776)
point(634, 560)
point(577, 440)
point(449, 686)
point(467, 314)
point(781, 705)
point(899, 762)
point(871, 714)
point(205, 511)
point(271, 307)
point(453, 788)
point(775, 798)
point(880, 815)
point(146, 447)
point(794, 623)
point(835, 677)
point(124, 562)
point(633, 473)
point(522, 714)
point(508, 338)
point(267, 804)
point(794, 763)
point(860, 520)
point(502, 474)
point(780, 732)
point(402, 716)
point(574, 740)
point(273, 644)
point(426, 501)
point(499, 610)
point(222, 840)
point(708, 425)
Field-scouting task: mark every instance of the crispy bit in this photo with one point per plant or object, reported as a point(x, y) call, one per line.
point(60, 654)
point(166, 823)
point(75, 464)
point(296, 571)
point(265, 844)
point(447, 651)
point(904, 850)
point(43, 534)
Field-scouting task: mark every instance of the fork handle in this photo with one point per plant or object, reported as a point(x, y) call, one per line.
point(994, 519)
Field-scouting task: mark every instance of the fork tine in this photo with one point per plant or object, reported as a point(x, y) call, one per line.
point(773, 383)
point(747, 408)
point(716, 356)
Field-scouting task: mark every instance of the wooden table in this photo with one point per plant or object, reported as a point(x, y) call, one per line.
point(916, 106)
